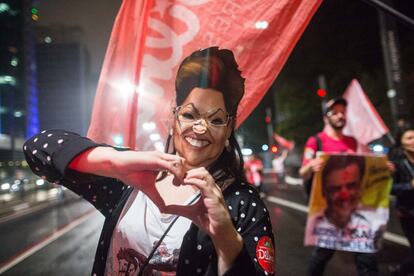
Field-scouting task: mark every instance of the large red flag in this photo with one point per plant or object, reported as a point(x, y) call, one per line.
point(363, 120)
point(149, 40)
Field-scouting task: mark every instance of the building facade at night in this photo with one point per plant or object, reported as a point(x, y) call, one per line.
point(62, 66)
point(18, 110)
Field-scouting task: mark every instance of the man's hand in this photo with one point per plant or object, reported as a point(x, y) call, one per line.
point(391, 167)
point(316, 164)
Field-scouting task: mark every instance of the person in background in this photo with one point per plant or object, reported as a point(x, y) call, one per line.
point(403, 189)
point(254, 172)
point(188, 211)
point(278, 164)
point(331, 139)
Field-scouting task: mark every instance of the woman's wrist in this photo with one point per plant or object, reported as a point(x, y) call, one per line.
point(228, 245)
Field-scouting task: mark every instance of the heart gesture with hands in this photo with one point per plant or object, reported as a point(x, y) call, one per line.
point(210, 212)
point(140, 170)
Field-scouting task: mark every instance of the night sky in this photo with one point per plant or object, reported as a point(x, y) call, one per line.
point(341, 42)
point(96, 18)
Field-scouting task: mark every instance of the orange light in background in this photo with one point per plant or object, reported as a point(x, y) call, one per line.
point(35, 17)
point(274, 149)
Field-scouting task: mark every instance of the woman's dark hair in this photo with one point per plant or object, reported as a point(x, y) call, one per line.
point(401, 132)
point(211, 68)
point(216, 69)
point(398, 152)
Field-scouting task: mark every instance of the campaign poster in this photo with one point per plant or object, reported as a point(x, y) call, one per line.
point(349, 203)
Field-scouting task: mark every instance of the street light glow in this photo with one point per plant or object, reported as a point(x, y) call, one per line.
point(118, 140)
point(148, 126)
point(261, 25)
point(246, 151)
point(155, 137)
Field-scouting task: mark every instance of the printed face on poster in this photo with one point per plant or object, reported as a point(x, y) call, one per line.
point(349, 204)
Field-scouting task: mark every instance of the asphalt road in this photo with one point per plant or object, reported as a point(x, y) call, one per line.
point(61, 240)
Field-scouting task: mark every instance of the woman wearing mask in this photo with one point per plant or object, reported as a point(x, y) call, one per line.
point(187, 211)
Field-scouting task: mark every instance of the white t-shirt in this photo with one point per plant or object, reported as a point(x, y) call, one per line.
point(139, 228)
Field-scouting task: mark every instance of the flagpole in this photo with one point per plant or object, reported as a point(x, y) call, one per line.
point(391, 138)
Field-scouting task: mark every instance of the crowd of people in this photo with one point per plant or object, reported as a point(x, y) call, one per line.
point(167, 212)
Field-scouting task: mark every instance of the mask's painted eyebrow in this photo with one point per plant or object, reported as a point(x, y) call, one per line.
point(209, 113)
point(213, 112)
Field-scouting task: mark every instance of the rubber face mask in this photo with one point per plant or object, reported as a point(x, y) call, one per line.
point(189, 117)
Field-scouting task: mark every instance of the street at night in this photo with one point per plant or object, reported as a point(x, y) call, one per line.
point(118, 116)
point(29, 245)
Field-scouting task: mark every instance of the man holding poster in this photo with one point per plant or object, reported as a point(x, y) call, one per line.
point(331, 139)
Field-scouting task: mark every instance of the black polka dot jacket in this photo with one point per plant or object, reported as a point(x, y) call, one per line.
point(49, 154)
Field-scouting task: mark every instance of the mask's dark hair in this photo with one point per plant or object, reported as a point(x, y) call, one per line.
point(211, 68)
point(216, 69)
point(337, 162)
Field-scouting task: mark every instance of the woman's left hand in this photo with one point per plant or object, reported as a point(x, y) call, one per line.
point(210, 211)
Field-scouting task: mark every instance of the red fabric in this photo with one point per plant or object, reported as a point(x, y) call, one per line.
point(363, 120)
point(254, 170)
point(115, 108)
point(346, 144)
point(175, 29)
point(288, 144)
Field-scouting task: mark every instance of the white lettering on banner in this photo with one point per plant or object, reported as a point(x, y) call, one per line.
point(220, 24)
point(230, 8)
point(357, 246)
point(193, 2)
point(263, 254)
point(210, 39)
point(155, 68)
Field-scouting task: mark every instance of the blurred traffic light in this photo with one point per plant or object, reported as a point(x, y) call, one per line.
point(268, 120)
point(274, 149)
point(35, 14)
point(321, 93)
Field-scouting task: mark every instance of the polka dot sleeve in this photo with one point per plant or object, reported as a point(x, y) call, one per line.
point(252, 221)
point(49, 154)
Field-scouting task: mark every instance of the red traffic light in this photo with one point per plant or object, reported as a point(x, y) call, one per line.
point(274, 149)
point(321, 92)
point(268, 119)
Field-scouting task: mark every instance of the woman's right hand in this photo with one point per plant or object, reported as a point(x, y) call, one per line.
point(138, 169)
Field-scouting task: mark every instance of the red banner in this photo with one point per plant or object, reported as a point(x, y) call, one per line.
point(288, 144)
point(149, 40)
point(363, 120)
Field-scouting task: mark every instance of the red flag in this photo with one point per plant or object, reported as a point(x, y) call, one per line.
point(363, 120)
point(288, 144)
point(149, 40)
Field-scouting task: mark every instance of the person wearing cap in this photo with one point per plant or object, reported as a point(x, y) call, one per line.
point(331, 139)
point(186, 211)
